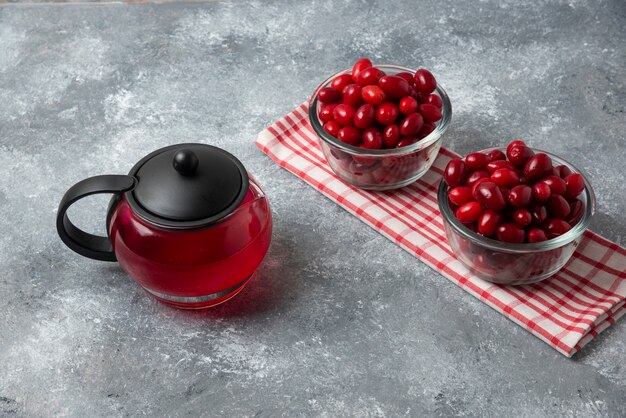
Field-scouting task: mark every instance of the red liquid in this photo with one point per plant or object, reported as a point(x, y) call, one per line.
point(210, 264)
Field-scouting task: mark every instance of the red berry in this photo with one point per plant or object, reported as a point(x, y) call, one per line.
point(558, 206)
point(408, 77)
point(372, 138)
point(520, 196)
point(577, 210)
point(510, 232)
point(488, 222)
point(387, 113)
point(536, 235)
point(332, 128)
point(476, 160)
point(405, 141)
point(329, 95)
point(556, 227)
point(505, 177)
point(519, 154)
point(497, 164)
point(343, 114)
point(326, 112)
point(475, 176)
point(539, 212)
point(341, 81)
point(425, 82)
point(515, 143)
point(563, 171)
point(364, 116)
point(349, 135)
point(391, 136)
point(411, 124)
point(575, 184)
point(496, 155)
point(454, 173)
point(360, 65)
point(373, 95)
point(426, 130)
point(368, 77)
point(522, 217)
point(541, 192)
point(557, 184)
point(477, 182)
point(460, 195)
point(430, 113)
point(538, 166)
point(352, 95)
point(469, 212)
point(408, 105)
point(433, 99)
point(489, 195)
point(394, 86)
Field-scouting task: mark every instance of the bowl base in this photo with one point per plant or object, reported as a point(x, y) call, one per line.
point(200, 302)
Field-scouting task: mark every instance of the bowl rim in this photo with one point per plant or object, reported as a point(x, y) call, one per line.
point(576, 231)
point(440, 129)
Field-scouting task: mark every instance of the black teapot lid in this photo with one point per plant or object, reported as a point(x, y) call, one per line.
point(187, 185)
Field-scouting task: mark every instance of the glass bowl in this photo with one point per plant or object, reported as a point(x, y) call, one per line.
point(514, 264)
point(386, 168)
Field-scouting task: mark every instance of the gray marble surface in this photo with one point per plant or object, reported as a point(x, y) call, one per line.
point(339, 321)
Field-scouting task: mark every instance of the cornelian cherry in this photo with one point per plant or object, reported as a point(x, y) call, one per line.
point(364, 116)
point(476, 160)
point(329, 95)
point(343, 114)
point(349, 135)
point(469, 212)
point(391, 136)
point(488, 222)
point(372, 138)
point(430, 113)
point(394, 87)
point(575, 184)
point(510, 232)
point(433, 99)
point(387, 113)
point(460, 195)
point(411, 124)
point(425, 82)
point(368, 76)
point(373, 95)
point(326, 112)
point(332, 128)
point(505, 177)
point(341, 81)
point(454, 173)
point(360, 65)
point(352, 95)
point(488, 194)
point(408, 105)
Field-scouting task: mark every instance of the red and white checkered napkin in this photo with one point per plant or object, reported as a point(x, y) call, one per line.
point(566, 311)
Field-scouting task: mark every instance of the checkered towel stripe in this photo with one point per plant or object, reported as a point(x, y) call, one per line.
point(566, 311)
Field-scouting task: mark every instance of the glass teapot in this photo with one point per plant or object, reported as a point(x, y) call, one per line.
point(188, 224)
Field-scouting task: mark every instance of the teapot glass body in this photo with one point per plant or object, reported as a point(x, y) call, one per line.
point(194, 268)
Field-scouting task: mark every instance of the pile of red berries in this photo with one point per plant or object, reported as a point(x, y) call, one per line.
point(372, 110)
point(518, 197)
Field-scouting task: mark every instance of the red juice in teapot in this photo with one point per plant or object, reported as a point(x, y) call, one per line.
point(194, 269)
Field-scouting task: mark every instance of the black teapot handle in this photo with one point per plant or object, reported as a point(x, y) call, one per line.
point(89, 245)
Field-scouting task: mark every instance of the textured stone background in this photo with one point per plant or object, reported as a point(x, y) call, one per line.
point(339, 320)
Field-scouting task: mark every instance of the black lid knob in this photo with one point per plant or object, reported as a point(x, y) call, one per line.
point(185, 162)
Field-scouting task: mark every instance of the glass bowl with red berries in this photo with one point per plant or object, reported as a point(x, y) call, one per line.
point(514, 215)
point(380, 126)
